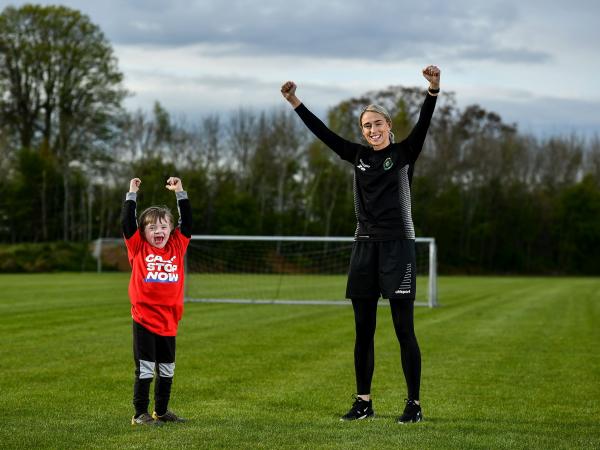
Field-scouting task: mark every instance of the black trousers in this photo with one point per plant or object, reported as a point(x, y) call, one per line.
point(153, 355)
point(365, 318)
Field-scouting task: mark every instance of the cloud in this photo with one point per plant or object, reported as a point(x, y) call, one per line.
point(504, 55)
point(533, 62)
point(387, 30)
point(543, 115)
point(198, 96)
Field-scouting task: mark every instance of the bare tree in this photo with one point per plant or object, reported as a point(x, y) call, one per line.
point(62, 89)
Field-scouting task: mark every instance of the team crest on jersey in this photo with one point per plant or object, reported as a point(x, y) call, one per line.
point(388, 163)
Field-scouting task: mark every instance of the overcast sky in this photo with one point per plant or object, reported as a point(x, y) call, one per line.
point(534, 62)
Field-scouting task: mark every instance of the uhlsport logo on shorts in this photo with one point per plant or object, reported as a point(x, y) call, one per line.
point(388, 163)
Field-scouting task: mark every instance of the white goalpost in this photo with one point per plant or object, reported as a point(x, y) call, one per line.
point(285, 269)
point(272, 269)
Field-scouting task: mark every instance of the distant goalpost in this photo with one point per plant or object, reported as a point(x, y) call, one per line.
point(272, 269)
point(285, 269)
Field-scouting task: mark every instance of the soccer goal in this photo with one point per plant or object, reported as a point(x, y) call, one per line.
point(278, 269)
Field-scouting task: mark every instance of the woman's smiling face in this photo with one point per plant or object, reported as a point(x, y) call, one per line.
point(375, 129)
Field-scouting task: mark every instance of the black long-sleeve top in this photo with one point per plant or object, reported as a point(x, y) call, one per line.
point(129, 221)
point(382, 178)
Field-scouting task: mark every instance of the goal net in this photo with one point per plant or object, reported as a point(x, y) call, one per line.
point(277, 269)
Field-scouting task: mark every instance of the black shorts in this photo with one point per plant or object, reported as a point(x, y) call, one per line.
point(152, 353)
point(386, 268)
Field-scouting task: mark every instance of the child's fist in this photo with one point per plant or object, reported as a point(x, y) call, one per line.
point(174, 184)
point(134, 185)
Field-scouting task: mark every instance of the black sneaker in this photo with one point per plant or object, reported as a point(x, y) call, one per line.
point(361, 409)
point(145, 419)
point(169, 416)
point(412, 413)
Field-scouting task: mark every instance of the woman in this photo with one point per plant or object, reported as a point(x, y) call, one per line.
point(383, 255)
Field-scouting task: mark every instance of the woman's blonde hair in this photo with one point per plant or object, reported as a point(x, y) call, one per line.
point(379, 110)
point(154, 213)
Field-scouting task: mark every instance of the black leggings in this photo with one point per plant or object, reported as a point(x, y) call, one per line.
point(365, 319)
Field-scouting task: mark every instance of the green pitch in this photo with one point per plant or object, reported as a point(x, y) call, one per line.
point(507, 363)
point(261, 286)
point(275, 287)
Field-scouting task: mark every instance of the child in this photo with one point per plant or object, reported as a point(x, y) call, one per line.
point(156, 250)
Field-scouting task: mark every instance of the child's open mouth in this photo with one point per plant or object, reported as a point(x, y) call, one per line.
point(158, 239)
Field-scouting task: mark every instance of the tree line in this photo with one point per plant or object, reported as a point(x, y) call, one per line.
point(495, 199)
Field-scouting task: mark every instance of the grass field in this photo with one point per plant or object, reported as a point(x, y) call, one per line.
point(276, 287)
point(507, 363)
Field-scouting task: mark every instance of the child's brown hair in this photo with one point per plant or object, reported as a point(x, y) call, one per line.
point(154, 213)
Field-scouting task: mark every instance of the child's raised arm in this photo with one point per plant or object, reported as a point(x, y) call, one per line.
point(128, 214)
point(183, 206)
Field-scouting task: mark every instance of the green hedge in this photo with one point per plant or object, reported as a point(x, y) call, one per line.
point(46, 257)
